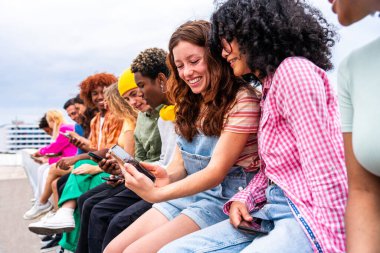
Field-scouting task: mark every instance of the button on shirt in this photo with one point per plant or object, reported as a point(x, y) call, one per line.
point(301, 150)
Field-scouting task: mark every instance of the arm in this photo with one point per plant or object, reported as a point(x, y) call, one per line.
point(56, 147)
point(129, 142)
point(363, 206)
point(227, 150)
point(140, 152)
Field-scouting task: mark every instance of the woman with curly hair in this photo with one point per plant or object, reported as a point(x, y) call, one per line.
point(358, 89)
point(216, 122)
point(284, 44)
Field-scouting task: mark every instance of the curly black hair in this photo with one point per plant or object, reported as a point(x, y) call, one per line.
point(150, 63)
point(268, 31)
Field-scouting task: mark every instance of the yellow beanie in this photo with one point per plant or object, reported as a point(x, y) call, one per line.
point(126, 82)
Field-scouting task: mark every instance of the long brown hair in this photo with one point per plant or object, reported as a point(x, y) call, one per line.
point(216, 100)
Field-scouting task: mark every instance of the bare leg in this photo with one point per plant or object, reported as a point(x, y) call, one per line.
point(55, 193)
point(147, 222)
point(54, 173)
point(151, 227)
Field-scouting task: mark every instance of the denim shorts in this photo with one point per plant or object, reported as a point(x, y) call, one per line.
point(206, 208)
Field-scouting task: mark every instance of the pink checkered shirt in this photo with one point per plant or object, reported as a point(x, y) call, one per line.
point(301, 149)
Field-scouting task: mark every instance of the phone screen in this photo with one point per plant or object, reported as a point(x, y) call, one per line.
point(120, 154)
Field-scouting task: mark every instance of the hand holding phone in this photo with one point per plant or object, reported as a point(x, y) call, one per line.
point(96, 158)
point(113, 179)
point(123, 157)
point(253, 227)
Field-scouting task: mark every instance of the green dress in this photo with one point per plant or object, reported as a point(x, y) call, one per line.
point(75, 186)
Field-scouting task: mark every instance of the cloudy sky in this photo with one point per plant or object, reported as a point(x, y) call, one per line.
point(48, 46)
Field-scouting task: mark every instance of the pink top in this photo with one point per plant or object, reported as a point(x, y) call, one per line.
point(301, 150)
point(60, 145)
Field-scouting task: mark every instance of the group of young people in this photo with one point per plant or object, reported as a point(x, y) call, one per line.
point(240, 127)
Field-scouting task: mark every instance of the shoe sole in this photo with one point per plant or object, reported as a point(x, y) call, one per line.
point(50, 231)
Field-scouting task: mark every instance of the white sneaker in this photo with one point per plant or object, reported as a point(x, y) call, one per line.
point(62, 221)
point(37, 210)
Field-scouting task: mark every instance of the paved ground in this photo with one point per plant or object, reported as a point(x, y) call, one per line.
point(15, 195)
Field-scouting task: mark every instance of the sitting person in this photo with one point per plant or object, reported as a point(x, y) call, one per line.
point(60, 147)
point(31, 163)
point(358, 87)
point(105, 130)
point(214, 152)
point(286, 45)
point(106, 213)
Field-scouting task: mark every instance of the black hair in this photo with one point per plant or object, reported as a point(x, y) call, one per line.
point(78, 100)
point(270, 31)
point(68, 103)
point(150, 63)
point(43, 123)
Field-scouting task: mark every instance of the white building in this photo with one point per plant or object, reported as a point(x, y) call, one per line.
point(14, 137)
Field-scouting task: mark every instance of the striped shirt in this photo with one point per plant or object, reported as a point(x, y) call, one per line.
point(243, 117)
point(301, 150)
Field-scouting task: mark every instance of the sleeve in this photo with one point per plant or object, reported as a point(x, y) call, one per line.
point(244, 115)
point(308, 104)
point(344, 96)
point(140, 152)
point(253, 195)
point(57, 146)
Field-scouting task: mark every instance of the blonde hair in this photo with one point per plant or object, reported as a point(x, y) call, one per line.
point(55, 120)
point(118, 106)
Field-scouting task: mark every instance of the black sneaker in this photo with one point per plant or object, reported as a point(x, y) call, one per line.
point(47, 238)
point(52, 245)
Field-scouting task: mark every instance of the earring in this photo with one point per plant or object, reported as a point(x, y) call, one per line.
point(162, 87)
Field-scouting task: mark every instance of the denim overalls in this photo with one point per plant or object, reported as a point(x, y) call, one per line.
point(204, 208)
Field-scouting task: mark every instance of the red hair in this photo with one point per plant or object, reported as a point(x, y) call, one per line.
point(92, 82)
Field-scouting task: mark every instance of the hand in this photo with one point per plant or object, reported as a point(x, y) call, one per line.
point(114, 184)
point(79, 141)
point(140, 184)
point(86, 169)
point(110, 165)
point(65, 163)
point(238, 213)
point(162, 177)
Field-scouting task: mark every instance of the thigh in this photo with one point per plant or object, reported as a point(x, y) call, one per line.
point(148, 222)
point(221, 237)
point(58, 172)
point(124, 219)
point(286, 237)
point(162, 235)
point(117, 201)
point(93, 196)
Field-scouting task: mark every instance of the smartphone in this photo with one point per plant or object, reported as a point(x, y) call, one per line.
point(253, 227)
point(67, 135)
point(96, 158)
point(112, 179)
point(123, 157)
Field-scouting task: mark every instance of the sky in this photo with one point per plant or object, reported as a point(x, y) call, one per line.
point(47, 47)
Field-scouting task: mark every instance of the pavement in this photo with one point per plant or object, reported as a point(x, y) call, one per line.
point(15, 195)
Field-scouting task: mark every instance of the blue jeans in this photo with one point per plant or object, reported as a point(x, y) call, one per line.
point(287, 235)
point(204, 208)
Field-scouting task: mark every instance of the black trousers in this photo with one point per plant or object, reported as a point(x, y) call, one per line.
point(99, 207)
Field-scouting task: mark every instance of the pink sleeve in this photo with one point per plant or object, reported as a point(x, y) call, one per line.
point(59, 144)
point(253, 195)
